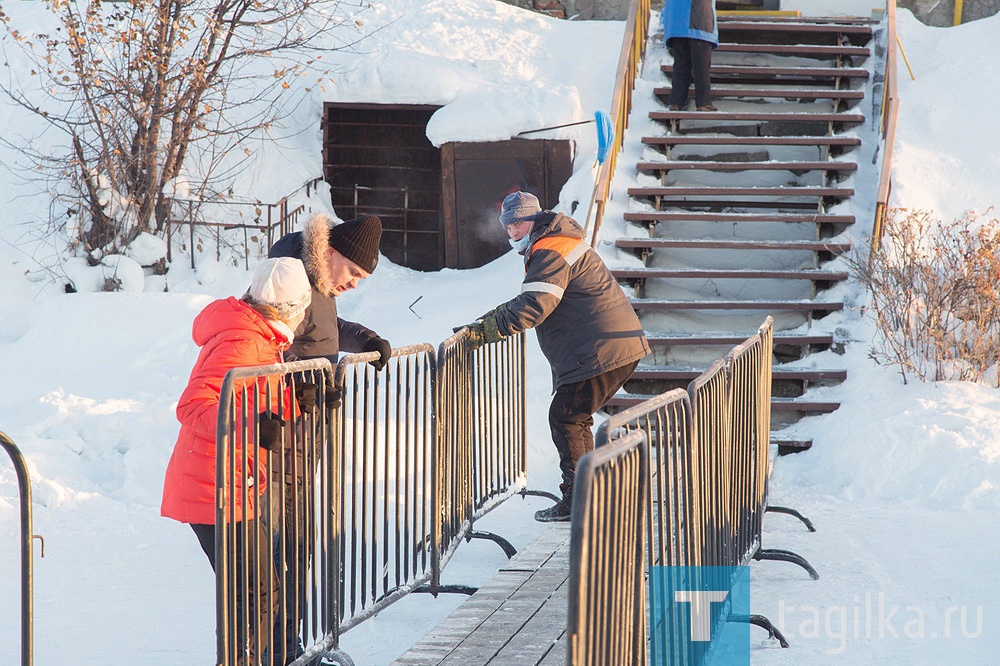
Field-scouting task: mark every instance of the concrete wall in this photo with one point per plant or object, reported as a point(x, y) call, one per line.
point(942, 12)
point(930, 12)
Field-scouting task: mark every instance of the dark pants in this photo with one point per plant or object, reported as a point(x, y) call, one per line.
point(692, 63)
point(571, 416)
point(263, 587)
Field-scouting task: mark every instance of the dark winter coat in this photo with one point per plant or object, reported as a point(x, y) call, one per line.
point(322, 334)
point(585, 323)
point(692, 19)
point(231, 334)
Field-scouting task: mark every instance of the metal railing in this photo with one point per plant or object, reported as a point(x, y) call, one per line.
point(707, 484)
point(629, 64)
point(27, 553)
point(607, 590)
point(890, 116)
point(266, 221)
point(368, 500)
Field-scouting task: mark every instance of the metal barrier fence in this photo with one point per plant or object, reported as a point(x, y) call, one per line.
point(386, 504)
point(707, 478)
point(607, 590)
point(27, 554)
point(368, 500)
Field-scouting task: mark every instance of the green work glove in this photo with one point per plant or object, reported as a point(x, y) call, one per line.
point(491, 332)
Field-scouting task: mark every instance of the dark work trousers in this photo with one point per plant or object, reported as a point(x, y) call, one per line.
point(571, 416)
point(692, 63)
point(263, 587)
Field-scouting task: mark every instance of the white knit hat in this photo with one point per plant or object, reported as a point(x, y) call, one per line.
point(519, 207)
point(283, 284)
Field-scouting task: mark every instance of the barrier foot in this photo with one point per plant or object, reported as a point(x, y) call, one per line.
point(763, 623)
point(507, 546)
point(447, 589)
point(539, 493)
point(786, 556)
point(792, 512)
point(338, 657)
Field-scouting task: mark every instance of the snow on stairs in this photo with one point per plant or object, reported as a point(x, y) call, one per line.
point(741, 209)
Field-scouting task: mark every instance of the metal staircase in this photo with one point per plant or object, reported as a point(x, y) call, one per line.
point(742, 207)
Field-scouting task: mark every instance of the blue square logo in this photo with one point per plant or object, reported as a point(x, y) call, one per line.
point(699, 615)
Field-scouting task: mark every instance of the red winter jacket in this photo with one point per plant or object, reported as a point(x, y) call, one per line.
point(231, 334)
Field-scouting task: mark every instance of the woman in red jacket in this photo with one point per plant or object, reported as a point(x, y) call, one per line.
point(254, 330)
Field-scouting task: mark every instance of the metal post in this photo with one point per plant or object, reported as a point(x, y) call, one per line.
point(24, 488)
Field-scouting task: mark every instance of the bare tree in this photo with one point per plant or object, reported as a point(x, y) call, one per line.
point(138, 85)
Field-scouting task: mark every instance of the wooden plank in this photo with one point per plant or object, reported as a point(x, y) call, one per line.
point(806, 306)
point(733, 140)
point(805, 191)
point(711, 244)
point(797, 26)
point(777, 404)
point(778, 373)
point(736, 274)
point(707, 165)
point(663, 216)
point(821, 50)
point(772, 117)
point(720, 91)
point(804, 73)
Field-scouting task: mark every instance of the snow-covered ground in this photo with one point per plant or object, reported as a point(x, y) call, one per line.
point(901, 482)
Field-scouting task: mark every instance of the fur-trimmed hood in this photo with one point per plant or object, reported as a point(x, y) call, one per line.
point(310, 245)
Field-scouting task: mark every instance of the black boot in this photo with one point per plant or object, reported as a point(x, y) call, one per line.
point(562, 509)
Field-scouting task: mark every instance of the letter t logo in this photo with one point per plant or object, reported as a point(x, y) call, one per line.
point(701, 607)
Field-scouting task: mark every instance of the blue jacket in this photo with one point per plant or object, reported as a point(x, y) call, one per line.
point(694, 19)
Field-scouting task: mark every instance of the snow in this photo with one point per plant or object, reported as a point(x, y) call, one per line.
point(902, 482)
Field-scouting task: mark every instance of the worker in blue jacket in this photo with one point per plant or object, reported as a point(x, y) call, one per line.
point(691, 33)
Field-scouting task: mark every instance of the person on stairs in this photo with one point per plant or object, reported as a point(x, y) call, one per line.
point(692, 33)
point(586, 327)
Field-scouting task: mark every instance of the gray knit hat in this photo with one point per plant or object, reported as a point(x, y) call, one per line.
point(519, 207)
point(358, 240)
point(283, 284)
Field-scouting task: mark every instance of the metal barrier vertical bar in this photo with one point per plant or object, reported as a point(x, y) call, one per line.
point(606, 581)
point(27, 553)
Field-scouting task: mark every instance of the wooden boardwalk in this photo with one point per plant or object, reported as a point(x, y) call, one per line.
point(517, 618)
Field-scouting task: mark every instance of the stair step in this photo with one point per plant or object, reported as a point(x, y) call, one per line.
point(732, 338)
point(624, 400)
point(791, 218)
point(719, 91)
point(700, 165)
point(802, 405)
point(705, 244)
point(777, 373)
point(820, 50)
point(788, 445)
point(846, 118)
point(735, 274)
point(706, 304)
point(805, 74)
point(708, 190)
point(733, 140)
point(797, 25)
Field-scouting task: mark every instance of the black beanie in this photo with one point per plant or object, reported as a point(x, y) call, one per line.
point(358, 240)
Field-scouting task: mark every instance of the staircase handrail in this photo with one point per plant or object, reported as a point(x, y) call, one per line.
point(890, 115)
point(629, 62)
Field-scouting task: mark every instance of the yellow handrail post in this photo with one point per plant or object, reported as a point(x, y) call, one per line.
point(902, 51)
point(958, 14)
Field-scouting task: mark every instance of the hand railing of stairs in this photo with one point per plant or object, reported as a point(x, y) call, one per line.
point(629, 62)
point(890, 114)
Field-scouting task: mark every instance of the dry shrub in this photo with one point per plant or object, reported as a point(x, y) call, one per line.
point(934, 295)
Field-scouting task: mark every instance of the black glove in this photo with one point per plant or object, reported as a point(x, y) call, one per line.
point(491, 332)
point(269, 427)
point(384, 349)
point(476, 333)
point(332, 397)
point(305, 394)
